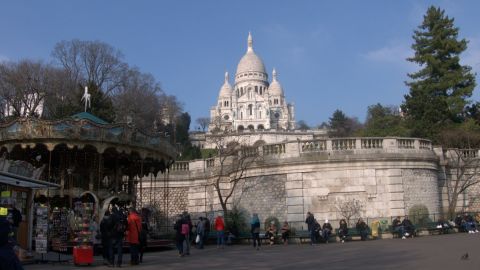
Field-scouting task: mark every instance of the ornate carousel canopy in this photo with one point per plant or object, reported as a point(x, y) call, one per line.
point(79, 132)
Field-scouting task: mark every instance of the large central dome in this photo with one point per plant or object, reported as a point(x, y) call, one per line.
point(250, 62)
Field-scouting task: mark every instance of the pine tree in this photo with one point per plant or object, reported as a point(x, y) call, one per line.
point(439, 91)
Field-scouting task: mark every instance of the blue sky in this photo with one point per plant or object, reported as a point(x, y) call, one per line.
point(329, 55)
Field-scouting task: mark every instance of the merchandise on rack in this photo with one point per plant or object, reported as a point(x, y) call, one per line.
point(41, 228)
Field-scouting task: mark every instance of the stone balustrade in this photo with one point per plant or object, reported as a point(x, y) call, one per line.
point(297, 148)
point(273, 149)
point(180, 166)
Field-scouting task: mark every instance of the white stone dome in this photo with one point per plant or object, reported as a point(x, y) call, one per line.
point(275, 88)
point(250, 62)
point(226, 90)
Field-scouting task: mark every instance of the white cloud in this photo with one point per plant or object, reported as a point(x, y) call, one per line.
point(396, 53)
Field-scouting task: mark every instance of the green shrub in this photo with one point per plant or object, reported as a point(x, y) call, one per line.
point(236, 220)
point(269, 220)
point(419, 215)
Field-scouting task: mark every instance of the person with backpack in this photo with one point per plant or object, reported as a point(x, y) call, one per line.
point(133, 234)
point(187, 231)
point(119, 222)
point(179, 237)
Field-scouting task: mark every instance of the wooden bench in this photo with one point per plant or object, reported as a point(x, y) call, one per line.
point(353, 232)
point(433, 229)
point(396, 234)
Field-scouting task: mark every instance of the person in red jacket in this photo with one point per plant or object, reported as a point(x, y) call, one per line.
point(220, 228)
point(133, 231)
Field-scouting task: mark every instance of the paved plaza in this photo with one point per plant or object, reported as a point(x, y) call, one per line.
point(428, 252)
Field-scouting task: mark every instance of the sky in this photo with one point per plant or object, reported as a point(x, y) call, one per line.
point(329, 55)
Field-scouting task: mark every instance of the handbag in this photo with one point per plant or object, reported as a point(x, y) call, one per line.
point(197, 240)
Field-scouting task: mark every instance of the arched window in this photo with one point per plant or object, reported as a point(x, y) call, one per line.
point(250, 109)
point(256, 89)
point(251, 127)
point(260, 127)
point(240, 128)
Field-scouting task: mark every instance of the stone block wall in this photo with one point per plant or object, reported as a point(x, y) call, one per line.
point(421, 188)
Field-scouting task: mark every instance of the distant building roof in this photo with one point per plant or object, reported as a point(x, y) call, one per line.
point(89, 116)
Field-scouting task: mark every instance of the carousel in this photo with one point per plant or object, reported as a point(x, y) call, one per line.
point(90, 162)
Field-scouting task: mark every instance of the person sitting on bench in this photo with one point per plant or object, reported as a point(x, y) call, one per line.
point(343, 230)
point(271, 232)
point(362, 229)
point(397, 227)
point(326, 230)
point(408, 227)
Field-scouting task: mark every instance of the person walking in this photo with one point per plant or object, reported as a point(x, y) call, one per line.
point(310, 220)
point(220, 228)
point(143, 239)
point(179, 237)
point(106, 228)
point(200, 233)
point(133, 232)
point(255, 230)
point(120, 226)
point(187, 220)
point(207, 230)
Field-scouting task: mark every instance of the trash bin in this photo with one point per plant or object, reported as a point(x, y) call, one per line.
point(375, 226)
point(83, 255)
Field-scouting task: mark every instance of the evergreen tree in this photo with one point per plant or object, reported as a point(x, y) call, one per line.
point(384, 121)
point(439, 91)
point(342, 126)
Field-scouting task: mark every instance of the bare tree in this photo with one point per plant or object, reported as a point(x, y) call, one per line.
point(203, 122)
point(229, 166)
point(349, 208)
point(138, 98)
point(91, 62)
point(464, 168)
point(24, 87)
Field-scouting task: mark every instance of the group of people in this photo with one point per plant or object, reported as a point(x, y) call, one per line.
point(185, 232)
point(466, 223)
point(118, 225)
point(324, 231)
point(403, 228)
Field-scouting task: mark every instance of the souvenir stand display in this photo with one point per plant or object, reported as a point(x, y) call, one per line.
point(41, 228)
point(60, 233)
point(83, 249)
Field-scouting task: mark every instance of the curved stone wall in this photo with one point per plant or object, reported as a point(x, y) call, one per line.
point(388, 176)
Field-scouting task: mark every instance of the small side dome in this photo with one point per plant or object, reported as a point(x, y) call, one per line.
point(275, 89)
point(226, 90)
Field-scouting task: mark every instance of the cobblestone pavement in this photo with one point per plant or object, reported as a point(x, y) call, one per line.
point(428, 252)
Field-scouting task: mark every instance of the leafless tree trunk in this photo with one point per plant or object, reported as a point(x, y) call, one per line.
point(92, 62)
point(25, 85)
point(232, 160)
point(464, 166)
point(203, 122)
point(349, 208)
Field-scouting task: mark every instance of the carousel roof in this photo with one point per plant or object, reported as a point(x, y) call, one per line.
point(82, 131)
point(89, 116)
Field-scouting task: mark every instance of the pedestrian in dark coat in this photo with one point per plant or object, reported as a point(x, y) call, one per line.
point(310, 220)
